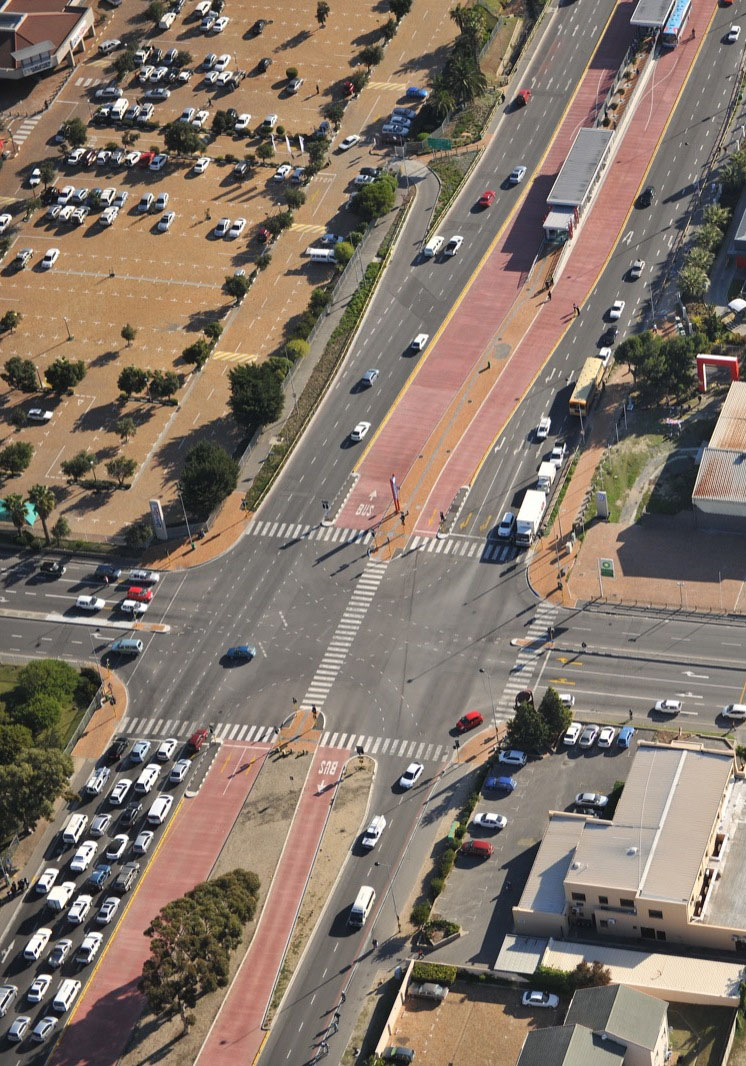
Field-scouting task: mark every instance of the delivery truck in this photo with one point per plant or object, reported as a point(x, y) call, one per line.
point(547, 474)
point(529, 517)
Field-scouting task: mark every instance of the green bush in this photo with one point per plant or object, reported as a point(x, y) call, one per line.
point(421, 912)
point(550, 979)
point(445, 862)
point(434, 971)
point(297, 349)
point(437, 885)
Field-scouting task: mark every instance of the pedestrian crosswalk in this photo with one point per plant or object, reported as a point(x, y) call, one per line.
point(527, 658)
point(168, 727)
point(86, 83)
point(293, 531)
point(466, 547)
point(234, 357)
point(308, 227)
point(344, 634)
point(24, 129)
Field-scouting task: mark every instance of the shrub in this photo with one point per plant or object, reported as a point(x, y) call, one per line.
point(437, 885)
point(291, 72)
point(296, 349)
point(421, 912)
point(446, 861)
point(552, 980)
point(434, 971)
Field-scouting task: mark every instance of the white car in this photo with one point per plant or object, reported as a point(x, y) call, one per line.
point(199, 121)
point(50, 258)
point(109, 216)
point(513, 758)
point(166, 748)
point(615, 311)
point(46, 880)
point(360, 431)
point(109, 46)
point(282, 172)
point(159, 809)
point(487, 820)
point(65, 195)
point(140, 751)
point(606, 736)
point(372, 834)
point(38, 414)
point(100, 825)
point(146, 202)
point(517, 175)
point(540, 999)
point(411, 775)
point(146, 113)
point(733, 34)
point(147, 577)
point(37, 943)
point(159, 162)
point(571, 735)
point(59, 953)
point(637, 268)
point(453, 245)
point(734, 712)
point(220, 24)
point(107, 910)
point(118, 794)
point(121, 199)
point(588, 736)
point(559, 451)
point(364, 179)
point(668, 706)
point(160, 205)
point(117, 847)
point(179, 770)
point(42, 1029)
point(142, 842)
point(591, 799)
point(211, 78)
point(222, 227)
point(604, 354)
point(187, 114)
point(201, 165)
point(420, 342)
point(34, 178)
point(131, 159)
point(89, 948)
point(75, 157)
point(507, 526)
point(160, 93)
point(242, 123)
point(90, 603)
point(145, 74)
point(18, 1029)
point(79, 910)
point(83, 857)
point(221, 63)
point(103, 157)
point(163, 225)
point(349, 142)
point(544, 428)
point(95, 784)
point(237, 228)
point(107, 196)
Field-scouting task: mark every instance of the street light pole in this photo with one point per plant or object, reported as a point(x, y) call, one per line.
point(189, 532)
point(393, 898)
point(492, 701)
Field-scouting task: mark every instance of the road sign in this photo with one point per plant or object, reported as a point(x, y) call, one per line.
point(440, 144)
point(607, 567)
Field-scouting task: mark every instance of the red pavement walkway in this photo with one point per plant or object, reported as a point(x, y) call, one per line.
point(470, 335)
point(237, 1036)
point(111, 1004)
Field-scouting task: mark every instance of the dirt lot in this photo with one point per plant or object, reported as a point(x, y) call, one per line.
point(454, 1031)
point(168, 285)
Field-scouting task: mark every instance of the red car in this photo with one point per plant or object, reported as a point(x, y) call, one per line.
point(523, 97)
point(146, 159)
point(349, 88)
point(263, 235)
point(141, 595)
point(487, 199)
point(197, 740)
point(469, 721)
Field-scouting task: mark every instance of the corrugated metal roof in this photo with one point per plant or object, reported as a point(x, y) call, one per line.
point(721, 476)
point(520, 954)
point(545, 888)
point(580, 167)
point(624, 1013)
point(652, 13)
point(730, 431)
point(565, 1045)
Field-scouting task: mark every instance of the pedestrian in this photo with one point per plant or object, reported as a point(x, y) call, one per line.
point(420, 954)
point(208, 216)
point(549, 296)
point(318, 90)
point(630, 714)
point(13, 888)
point(403, 519)
point(375, 943)
point(342, 997)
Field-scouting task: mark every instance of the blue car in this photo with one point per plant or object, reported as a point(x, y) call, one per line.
point(241, 653)
point(99, 877)
point(417, 94)
point(500, 784)
point(625, 736)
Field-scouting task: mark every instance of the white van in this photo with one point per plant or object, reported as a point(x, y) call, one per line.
point(736, 712)
point(73, 831)
point(362, 906)
point(118, 108)
point(432, 247)
point(321, 255)
point(66, 995)
point(147, 778)
point(127, 646)
point(60, 896)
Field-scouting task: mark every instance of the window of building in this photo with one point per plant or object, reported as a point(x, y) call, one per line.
point(579, 897)
point(603, 923)
point(655, 914)
point(603, 899)
point(648, 932)
point(626, 903)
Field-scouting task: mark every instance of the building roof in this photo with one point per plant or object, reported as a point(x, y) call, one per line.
point(627, 1015)
point(721, 476)
point(28, 23)
point(581, 166)
point(545, 888)
point(652, 13)
point(569, 1045)
point(730, 430)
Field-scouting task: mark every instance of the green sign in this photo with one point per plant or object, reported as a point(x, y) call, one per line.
point(607, 567)
point(440, 144)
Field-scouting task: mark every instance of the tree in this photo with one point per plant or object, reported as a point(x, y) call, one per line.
point(442, 103)
point(182, 138)
point(322, 13)
point(693, 282)
point(15, 505)
point(237, 285)
point(296, 349)
point(700, 258)
point(462, 78)
point(30, 787)
point(295, 198)
point(121, 468)
point(223, 123)
point(20, 374)
point(716, 215)
point(13, 739)
point(214, 331)
point(183, 59)
point(375, 199)
point(631, 352)
point(343, 252)
point(77, 467)
point(554, 713)
point(388, 29)
point(15, 458)
point(162, 385)
point(527, 730)
point(64, 374)
point(291, 72)
point(45, 501)
point(589, 975)
point(708, 236)
point(265, 150)
point(10, 320)
point(264, 260)
point(18, 418)
point(132, 380)
point(256, 395)
point(208, 477)
point(733, 171)
point(400, 8)
point(125, 62)
point(156, 10)
point(75, 132)
point(197, 353)
point(277, 223)
point(48, 171)
point(32, 204)
point(125, 428)
point(128, 334)
point(371, 55)
point(137, 536)
point(60, 531)
point(39, 713)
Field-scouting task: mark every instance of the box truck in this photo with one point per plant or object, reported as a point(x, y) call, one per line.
point(529, 517)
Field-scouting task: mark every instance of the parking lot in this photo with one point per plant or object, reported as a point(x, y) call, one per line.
point(168, 285)
point(479, 893)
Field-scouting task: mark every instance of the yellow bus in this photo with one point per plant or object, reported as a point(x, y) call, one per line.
point(589, 378)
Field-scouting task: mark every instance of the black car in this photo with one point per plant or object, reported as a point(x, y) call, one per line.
point(116, 750)
point(107, 570)
point(131, 813)
point(264, 64)
point(52, 569)
point(258, 28)
point(156, 55)
point(126, 877)
point(232, 114)
point(50, 194)
point(240, 169)
point(371, 172)
point(609, 337)
point(647, 196)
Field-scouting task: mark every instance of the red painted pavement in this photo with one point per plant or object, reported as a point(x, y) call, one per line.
point(592, 247)
point(111, 1005)
point(470, 335)
point(236, 1036)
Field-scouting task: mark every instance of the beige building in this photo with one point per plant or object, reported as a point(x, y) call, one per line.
point(667, 868)
point(38, 35)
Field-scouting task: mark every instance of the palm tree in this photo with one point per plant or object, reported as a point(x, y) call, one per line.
point(15, 505)
point(459, 16)
point(442, 103)
point(45, 501)
point(465, 80)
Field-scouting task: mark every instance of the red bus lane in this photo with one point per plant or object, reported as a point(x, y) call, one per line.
point(237, 1035)
point(101, 1024)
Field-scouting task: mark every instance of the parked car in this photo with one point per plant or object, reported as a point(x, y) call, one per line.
point(591, 799)
point(500, 784)
point(488, 820)
point(476, 849)
point(588, 736)
point(513, 758)
point(540, 999)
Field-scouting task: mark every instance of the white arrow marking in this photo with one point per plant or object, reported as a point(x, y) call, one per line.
point(373, 495)
point(690, 673)
point(628, 237)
